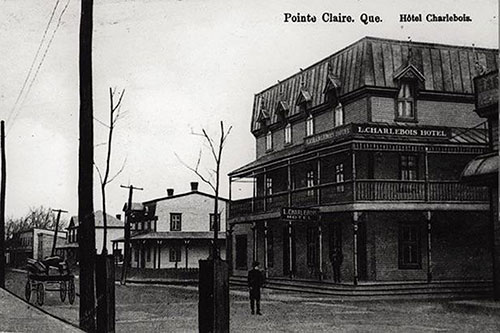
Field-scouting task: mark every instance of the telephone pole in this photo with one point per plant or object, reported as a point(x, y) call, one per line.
point(54, 243)
point(86, 232)
point(2, 207)
point(126, 262)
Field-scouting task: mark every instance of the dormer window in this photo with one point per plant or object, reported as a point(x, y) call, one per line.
point(309, 125)
point(288, 134)
point(409, 79)
point(269, 141)
point(339, 115)
point(406, 102)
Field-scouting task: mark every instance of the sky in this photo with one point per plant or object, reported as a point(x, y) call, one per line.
point(185, 66)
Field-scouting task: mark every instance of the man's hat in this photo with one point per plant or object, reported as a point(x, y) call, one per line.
point(255, 264)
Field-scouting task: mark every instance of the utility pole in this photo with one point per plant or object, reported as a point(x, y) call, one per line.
point(2, 207)
point(86, 232)
point(127, 253)
point(59, 211)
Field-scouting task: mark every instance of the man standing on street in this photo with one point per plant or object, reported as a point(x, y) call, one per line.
point(255, 282)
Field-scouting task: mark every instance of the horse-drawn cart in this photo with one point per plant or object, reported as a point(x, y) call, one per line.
point(40, 279)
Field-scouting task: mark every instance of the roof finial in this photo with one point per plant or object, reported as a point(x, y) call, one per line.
point(480, 69)
point(410, 50)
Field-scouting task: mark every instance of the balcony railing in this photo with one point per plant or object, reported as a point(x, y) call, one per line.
point(365, 190)
point(390, 190)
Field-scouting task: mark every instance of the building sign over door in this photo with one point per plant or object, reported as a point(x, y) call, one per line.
point(299, 214)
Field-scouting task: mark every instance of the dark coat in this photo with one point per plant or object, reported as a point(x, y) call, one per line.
point(255, 282)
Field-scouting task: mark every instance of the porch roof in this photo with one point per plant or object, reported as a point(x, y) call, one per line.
point(482, 169)
point(165, 235)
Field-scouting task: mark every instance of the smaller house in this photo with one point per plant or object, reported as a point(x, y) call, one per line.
point(175, 231)
point(115, 227)
point(33, 243)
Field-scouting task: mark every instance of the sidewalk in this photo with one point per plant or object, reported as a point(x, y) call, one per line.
point(18, 316)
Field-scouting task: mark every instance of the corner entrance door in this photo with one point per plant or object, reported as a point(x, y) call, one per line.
point(362, 260)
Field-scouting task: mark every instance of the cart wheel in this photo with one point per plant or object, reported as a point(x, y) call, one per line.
point(71, 291)
point(27, 290)
point(62, 290)
point(40, 297)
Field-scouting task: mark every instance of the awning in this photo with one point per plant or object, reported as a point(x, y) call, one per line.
point(482, 170)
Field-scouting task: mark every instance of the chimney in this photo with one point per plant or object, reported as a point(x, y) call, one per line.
point(194, 186)
point(119, 216)
point(170, 192)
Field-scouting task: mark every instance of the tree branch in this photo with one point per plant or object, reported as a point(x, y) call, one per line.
point(195, 170)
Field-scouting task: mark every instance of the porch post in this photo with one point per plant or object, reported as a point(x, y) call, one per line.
point(265, 190)
point(154, 255)
point(159, 254)
point(320, 250)
point(266, 259)
point(138, 258)
point(355, 217)
point(318, 178)
point(254, 191)
point(353, 167)
point(426, 166)
point(290, 247)
point(254, 242)
point(428, 216)
point(229, 248)
point(289, 178)
point(186, 246)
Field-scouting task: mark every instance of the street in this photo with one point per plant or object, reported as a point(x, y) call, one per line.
point(152, 308)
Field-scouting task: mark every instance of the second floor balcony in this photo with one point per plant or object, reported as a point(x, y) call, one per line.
point(370, 191)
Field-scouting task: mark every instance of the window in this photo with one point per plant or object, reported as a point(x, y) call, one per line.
point(269, 188)
point(311, 246)
point(406, 102)
point(175, 254)
point(339, 177)
point(310, 125)
point(409, 247)
point(241, 251)
point(212, 220)
point(148, 254)
point(269, 140)
point(408, 166)
point(270, 248)
point(310, 182)
point(288, 134)
point(175, 221)
point(339, 115)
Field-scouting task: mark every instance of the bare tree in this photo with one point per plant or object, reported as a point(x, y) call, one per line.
point(105, 179)
point(213, 177)
point(37, 217)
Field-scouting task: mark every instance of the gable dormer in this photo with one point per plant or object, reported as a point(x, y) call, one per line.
point(282, 110)
point(409, 73)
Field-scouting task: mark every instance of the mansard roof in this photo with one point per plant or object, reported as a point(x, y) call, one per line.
point(374, 62)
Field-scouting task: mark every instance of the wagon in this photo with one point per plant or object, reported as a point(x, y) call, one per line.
point(41, 279)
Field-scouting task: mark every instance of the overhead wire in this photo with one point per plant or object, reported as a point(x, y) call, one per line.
point(39, 65)
point(34, 60)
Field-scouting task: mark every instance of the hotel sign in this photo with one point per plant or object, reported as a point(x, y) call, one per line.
point(404, 132)
point(332, 134)
point(385, 130)
point(299, 214)
point(486, 88)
